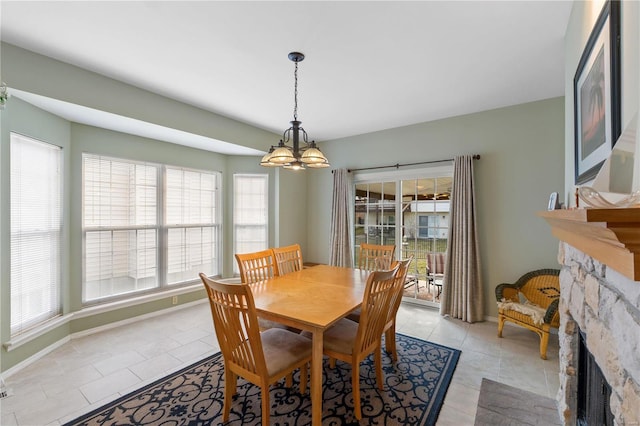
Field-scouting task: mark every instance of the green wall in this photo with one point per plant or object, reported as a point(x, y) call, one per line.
point(522, 163)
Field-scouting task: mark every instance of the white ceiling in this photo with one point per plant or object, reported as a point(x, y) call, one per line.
point(369, 65)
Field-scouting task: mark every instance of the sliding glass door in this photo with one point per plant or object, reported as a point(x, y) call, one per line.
point(411, 211)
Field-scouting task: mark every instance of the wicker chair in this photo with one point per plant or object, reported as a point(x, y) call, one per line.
point(542, 288)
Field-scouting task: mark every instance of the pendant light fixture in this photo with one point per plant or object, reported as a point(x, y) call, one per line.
point(293, 156)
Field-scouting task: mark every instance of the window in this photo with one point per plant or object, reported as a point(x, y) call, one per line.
point(192, 231)
point(36, 227)
point(250, 213)
point(133, 241)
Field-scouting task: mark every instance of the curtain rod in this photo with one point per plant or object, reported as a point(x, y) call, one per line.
point(475, 157)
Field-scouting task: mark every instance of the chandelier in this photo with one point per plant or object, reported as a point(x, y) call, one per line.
point(293, 156)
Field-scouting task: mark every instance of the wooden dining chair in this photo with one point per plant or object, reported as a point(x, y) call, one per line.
point(374, 257)
point(352, 342)
point(288, 259)
point(244, 346)
point(389, 328)
point(255, 267)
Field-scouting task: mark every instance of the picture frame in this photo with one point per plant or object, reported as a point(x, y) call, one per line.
point(596, 91)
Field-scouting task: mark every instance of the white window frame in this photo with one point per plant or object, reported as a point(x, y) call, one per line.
point(161, 229)
point(237, 224)
point(35, 283)
point(215, 227)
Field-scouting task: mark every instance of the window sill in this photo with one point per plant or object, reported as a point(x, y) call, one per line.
point(56, 322)
point(133, 301)
point(36, 332)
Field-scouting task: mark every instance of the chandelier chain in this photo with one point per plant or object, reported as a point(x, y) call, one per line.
point(295, 94)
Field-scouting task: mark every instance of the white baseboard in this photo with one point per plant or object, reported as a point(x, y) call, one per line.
point(35, 357)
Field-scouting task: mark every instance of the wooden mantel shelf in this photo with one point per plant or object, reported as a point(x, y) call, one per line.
point(611, 236)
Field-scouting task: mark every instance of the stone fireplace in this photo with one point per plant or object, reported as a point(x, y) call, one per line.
point(605, 306)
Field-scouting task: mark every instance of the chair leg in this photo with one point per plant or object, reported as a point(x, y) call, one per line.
point(303, 378)
point(229, 389)
point(266, 406)
point(500, 325)
point(288, 381)
point(390, 342)
point(332, 362)
point(544, 343)
point(355, 385)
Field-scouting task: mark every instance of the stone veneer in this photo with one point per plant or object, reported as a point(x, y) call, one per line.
point(605, 305)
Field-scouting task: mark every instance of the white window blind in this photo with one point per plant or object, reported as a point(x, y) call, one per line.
point(36, 225)
point(192, 224)
point(250, 213)
point(120, 226)
point(147, 226)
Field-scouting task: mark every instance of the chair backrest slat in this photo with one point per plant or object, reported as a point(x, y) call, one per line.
point(288, 259)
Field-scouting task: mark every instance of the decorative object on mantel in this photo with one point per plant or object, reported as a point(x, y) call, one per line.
point(4, 94)
point(608, 235)
point(295, 157)
point(596, 94)
point(616, 184)
point(595, 199)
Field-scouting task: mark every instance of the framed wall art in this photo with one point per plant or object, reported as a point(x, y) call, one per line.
point(596, 91)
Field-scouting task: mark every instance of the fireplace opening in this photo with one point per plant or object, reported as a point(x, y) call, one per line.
point(594, 392)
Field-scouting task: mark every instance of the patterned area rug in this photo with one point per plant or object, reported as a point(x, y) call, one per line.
point(414, 391)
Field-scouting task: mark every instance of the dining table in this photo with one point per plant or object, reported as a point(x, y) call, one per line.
point(312, 299)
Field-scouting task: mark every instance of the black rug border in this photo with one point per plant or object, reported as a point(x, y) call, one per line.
point(431, 419)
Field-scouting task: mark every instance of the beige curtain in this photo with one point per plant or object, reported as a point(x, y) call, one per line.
point(341, 219)
point(462, 285)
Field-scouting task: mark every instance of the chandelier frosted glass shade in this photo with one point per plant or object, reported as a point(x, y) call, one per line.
point(313, 155)
point(265, 160)
point(296, 165)
point(282, 155)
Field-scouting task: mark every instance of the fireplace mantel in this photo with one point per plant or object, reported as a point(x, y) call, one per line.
point(611, 236)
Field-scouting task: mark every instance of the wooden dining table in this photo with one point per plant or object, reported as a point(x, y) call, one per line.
point(312, 299)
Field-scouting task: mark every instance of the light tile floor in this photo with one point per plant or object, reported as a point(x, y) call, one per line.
point(88, 372)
